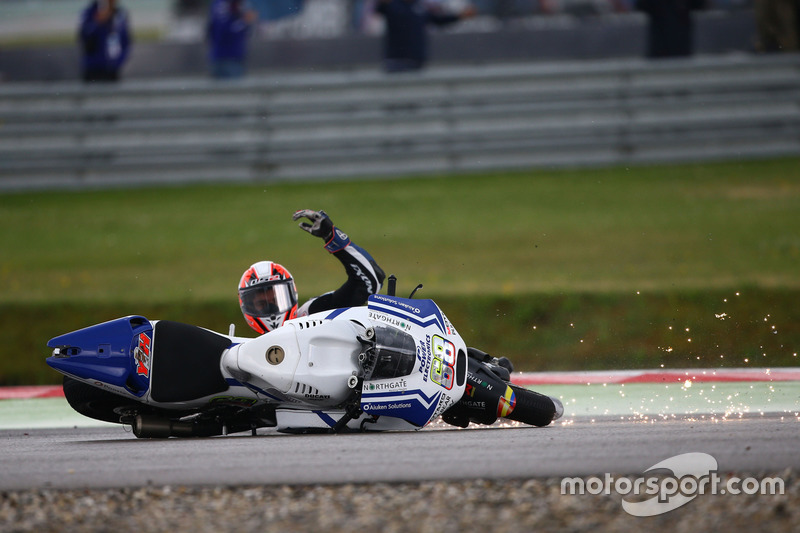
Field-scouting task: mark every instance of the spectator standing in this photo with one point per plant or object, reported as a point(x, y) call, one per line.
point(670, 26)
point(105, 40)
point(405, 46)
point(777, 22)
point(229, 25)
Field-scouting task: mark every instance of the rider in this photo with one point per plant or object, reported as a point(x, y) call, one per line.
point(267, 292)
point(268, 297)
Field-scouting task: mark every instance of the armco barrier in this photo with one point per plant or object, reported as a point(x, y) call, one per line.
point(368, 124)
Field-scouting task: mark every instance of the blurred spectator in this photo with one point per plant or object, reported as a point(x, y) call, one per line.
point(229, 25)
point(183, 8)
point(777, 22)
point(405, 45)
point(105, 40)
point(670, 26)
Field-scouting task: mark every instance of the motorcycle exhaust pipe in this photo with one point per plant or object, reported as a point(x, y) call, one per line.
point(155, 427)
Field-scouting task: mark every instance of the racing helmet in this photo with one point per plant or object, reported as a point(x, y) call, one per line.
point(267, 296)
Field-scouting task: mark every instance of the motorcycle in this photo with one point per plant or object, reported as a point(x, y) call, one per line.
point(394, 364)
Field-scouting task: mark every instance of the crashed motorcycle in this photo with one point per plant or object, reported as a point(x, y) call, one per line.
point(394, 364)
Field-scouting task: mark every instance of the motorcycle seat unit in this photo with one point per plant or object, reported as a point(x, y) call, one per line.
point(186, 362)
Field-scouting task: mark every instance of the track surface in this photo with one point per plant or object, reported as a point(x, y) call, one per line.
point(619, 428)
point(111, 457)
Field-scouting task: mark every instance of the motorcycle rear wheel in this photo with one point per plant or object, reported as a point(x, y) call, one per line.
point(93, 402)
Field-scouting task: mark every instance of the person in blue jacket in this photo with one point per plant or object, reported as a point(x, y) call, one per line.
point(228, 28)
point(105, 40)
point(405, 46)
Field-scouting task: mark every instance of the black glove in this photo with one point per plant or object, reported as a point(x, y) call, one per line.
point(321, 224)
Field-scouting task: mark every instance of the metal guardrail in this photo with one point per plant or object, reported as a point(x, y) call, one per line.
point(360, 124)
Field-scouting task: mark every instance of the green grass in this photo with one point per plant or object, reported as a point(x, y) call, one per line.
point(617, 246)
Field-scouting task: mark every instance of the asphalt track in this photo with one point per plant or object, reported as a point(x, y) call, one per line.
point(622, 428)
point(109, 457)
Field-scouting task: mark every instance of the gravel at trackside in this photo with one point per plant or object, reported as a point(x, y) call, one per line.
point(457, 506)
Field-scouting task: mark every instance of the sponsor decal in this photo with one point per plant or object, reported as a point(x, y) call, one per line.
point(142, 355)
point(507, 403)
point(424, 313)
point(310, 393)
point(273, 277)
point(424, 356)
point(317, 397)
point(413, 405)
point(478, 382)
point(363, 277)
point(445, 404)
point(398, 385)
point(393, 302)
point(390, 320)
point(448, 327)
point(382, 406)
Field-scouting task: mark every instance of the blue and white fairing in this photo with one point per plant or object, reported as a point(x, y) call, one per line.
point(411, 361)
point(114, 355)
point(400, 361)
point(421, 390)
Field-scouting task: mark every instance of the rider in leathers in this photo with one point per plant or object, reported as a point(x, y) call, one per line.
point(268, 297)
point(267, 291)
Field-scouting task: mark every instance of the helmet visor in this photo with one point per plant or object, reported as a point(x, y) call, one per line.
point(268, 299)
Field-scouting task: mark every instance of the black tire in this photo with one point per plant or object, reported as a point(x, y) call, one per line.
point(531, 407)
point(93, 402)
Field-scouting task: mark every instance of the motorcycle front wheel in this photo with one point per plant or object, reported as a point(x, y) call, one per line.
point(534, 408)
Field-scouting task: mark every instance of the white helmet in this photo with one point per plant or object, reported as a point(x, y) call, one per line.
point(267, 296)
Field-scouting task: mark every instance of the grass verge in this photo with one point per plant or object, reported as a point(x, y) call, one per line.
point(577, 331)
point(567, 269)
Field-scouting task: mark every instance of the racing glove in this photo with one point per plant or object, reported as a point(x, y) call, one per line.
point(322, 226)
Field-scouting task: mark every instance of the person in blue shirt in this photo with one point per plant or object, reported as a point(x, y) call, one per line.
point(105, 40)
point(228, 28)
